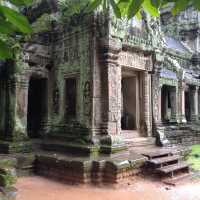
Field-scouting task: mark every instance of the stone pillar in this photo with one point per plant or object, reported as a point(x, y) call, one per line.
point(156, 97)
point(199, 105)
point(159, 119)
point(194, 103)
point(173, 98)
point(3, 91)
point(182, 103)
point(17, 102)
point(15, 137)
point(111, 96)
point(10, 109)
point(111, 84)
point(147, 104)
point(22, 106)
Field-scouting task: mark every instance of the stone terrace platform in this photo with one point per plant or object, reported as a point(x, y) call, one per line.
point(100, 170)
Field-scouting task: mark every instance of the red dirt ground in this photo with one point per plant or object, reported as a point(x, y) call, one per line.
point(37, 188)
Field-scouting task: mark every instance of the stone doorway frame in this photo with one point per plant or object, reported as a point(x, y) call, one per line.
point(133, 74)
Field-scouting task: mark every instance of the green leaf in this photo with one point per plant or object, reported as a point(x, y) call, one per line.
point(115, 8)
point(196, 4)
point(138, 15)
point(153, 11)
point(93, 5)
point(179, 6)
point(20, 2)
point(16, 19)
point(156, 3)
point(5, 52)
point(123, 6)
point(134, 7)
point(6, 27)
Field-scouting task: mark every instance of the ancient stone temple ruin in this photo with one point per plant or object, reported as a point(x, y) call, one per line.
point(97, 85)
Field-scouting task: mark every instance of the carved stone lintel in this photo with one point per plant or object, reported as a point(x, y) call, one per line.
point(110, 45)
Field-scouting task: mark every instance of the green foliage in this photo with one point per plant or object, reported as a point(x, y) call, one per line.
point(94, 4)
point(12, 22)
point(179, 6)
point(16, 19)
point(130, 8)
point(194, 158)
point(134, 7)
point(69, 8)
point(42, 24)
point(73, 7)
point(125, 8)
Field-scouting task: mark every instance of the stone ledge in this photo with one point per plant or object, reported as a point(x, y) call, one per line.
point(73, 148)
point(15, 147)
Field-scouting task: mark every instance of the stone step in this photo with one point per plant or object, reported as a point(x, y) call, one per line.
point(173, 168)
point(129, 134)
point(158, 153)
point(164, 160)
point(140, 141)
point(179, 179)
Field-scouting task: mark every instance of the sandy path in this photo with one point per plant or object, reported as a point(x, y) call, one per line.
point(37, 188)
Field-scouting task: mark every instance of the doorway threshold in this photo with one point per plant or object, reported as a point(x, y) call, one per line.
point(130, 134)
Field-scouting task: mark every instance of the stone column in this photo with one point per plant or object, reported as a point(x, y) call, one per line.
point(10, 109)
point(156, 97)
point(114, 99)
point(173, 98)
point(3, 91)
point(159, 114)
point(111, 89)
point(111, 95)
point(194, 103)
point(22, 106)
point(182, 102)
point(199, 105)
point(15, 134)
point(17, 109)
point(147, 104)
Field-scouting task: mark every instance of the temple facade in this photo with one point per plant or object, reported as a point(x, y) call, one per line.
point(99, 84)
point(176, 97)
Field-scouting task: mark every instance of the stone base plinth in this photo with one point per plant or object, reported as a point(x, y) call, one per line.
point(110, 144)
point(15, 147)
point(70, 148)
point(102, 170)
point(182, 134)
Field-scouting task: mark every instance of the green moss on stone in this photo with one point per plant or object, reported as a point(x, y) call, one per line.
point(7, 177)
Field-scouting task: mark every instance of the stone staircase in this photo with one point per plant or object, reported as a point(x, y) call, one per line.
point(166, 163)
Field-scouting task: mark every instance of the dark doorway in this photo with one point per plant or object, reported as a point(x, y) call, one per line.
point(128, 101)
point(168, 102)
point(70, 98)
point(37, 106)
